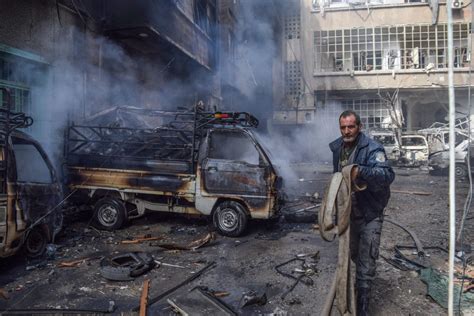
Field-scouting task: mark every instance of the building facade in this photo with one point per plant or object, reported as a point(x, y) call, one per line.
point(68, 59)
point(374, 57)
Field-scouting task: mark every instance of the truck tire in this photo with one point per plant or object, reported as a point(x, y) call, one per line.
point(110, 213)
point(35, 242)
point(230, 219)
point(461, 171)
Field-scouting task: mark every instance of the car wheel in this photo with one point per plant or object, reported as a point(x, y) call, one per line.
point(110, 213)
point(461, 171)
point(35, 242)
point(230, 218)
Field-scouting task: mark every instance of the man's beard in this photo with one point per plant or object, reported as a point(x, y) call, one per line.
point(349, 139)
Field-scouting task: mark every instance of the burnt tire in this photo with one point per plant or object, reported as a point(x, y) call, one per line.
point(461, 171)
point(230, 219)
point(109, 213)
point(35, 243)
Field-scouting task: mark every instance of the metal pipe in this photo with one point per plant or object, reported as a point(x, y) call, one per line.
point(452, 179)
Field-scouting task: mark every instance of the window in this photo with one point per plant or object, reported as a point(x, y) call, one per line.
point(233, 146)
point(14, 77)
point(373, 112)
point(205, 16)
point(389, 47)
point(30, 165)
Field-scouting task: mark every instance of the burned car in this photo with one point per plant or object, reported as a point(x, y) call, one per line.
point(389, 141)
point(29, 190)
point(414, 150)
point(195, 162)
point(438, 141)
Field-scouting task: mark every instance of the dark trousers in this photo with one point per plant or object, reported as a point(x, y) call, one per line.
point(364, 244)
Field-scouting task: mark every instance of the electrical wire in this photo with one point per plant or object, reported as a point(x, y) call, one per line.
point(467, 204)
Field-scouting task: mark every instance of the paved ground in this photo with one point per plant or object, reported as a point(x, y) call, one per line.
point(242, 265)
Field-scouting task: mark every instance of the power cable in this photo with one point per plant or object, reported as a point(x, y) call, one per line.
point(467, 204)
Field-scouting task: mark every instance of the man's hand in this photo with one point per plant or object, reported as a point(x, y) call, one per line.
point(354, 173)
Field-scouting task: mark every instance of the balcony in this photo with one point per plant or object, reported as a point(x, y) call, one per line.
point(152, 28)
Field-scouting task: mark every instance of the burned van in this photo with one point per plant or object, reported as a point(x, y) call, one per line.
point(29, 195)
point(194, 162)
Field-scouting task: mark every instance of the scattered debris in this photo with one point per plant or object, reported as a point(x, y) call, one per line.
point(140, 239)
point(126, 267)
point(188, 280)
point(144, 298)
point(159, 263)
point(410, 192)
point(253, 298)
point(64, 311)
point(304, 272)
point(419, 246)
point(437, 284)
point(196, 244)
point(278, 312)
point(200, 301)
point(76, 263)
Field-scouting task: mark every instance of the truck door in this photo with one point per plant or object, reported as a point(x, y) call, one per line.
point(3, 220)
point(3, 204)
point(37, 189)
point(233, 165)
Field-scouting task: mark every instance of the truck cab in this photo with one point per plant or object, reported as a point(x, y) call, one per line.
point(29, 197)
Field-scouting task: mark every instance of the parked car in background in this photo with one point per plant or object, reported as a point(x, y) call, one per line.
point(414, 150)
point(389, 141)
point(438, 142)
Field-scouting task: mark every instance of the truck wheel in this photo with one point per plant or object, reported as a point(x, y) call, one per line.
point(35, 242)
point(461, 171)
point(110, 213)
point(230, 218)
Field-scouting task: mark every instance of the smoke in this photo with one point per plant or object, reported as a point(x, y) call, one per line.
point(88, 73)
point(260, 49)
point(256, 50)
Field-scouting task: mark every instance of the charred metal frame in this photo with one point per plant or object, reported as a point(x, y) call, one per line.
point(178, 140)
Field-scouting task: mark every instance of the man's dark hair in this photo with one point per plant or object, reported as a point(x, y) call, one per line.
point(347, 113)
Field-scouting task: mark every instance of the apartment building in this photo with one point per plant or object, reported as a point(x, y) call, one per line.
point(69, 59)
point(373, 56)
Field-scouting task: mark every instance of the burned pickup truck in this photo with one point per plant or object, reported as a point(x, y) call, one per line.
point(194, 162)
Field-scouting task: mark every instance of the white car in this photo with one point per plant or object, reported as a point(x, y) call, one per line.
point(414, 150)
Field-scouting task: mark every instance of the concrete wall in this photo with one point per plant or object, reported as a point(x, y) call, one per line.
point(423, 93)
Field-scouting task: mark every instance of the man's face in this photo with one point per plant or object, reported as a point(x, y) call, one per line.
point(349, 128)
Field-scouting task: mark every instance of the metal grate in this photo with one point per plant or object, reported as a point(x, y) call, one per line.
point(293, 78)
point(292, 26)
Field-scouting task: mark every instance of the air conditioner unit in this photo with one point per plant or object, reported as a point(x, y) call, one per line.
point(456, 4)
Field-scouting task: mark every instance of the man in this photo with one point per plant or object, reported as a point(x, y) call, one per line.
point(353, 147)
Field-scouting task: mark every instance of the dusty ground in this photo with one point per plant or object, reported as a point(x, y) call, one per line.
point(242, 264)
